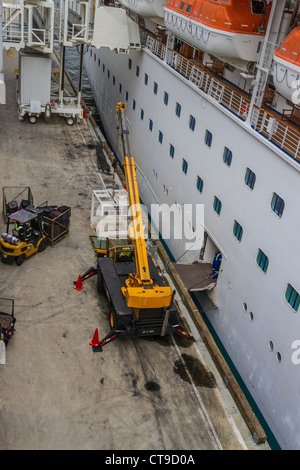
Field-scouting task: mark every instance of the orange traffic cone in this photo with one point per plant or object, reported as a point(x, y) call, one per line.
point(78, 285)
point(95, 340)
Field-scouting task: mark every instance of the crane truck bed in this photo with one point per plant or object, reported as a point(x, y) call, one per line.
point(111, 278)
point(123, 319)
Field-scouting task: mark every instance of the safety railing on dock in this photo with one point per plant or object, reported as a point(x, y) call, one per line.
point(267, 123)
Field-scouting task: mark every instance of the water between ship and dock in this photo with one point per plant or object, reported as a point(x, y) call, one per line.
point(72, 65)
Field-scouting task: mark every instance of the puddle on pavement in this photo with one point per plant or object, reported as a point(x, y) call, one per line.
point(200, 374)
point(152, 386)
point(182, 341)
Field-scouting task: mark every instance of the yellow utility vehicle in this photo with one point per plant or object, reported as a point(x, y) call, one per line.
point(19, 246)
point(32, 232)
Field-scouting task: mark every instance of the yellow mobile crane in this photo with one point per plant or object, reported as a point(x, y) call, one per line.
point(141, 304)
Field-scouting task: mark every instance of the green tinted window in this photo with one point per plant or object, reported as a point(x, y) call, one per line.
point(277, 204)
point(292, 297)
point(262, 261)
point(237, 230)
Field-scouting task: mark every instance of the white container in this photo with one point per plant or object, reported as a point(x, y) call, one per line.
point(34, 78)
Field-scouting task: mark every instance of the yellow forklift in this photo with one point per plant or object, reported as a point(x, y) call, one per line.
point(19, 246)
point(39, 230)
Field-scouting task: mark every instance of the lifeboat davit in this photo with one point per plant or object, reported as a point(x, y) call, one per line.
point(226, 29)
point(147, 8)
point(286, 76)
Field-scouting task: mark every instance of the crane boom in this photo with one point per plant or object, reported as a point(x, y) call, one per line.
point(137, 229)
point(140, 291)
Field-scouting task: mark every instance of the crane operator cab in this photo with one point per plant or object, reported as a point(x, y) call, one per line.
point(27, 237)
point(118, 249)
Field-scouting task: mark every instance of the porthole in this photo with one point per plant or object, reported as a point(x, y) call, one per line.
point(251, 316)
point(278, 357)
point(271, 346)
point(245, 307)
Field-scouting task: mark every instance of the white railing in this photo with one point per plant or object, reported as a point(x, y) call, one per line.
point(269, 50)
point(270, 126)
point(201, 78)
point(38, 37)
point(12, 24)
point(281, 134)
point(78, 31)
point(12, 33)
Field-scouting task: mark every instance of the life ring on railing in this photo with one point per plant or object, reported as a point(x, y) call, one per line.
point(244, 110)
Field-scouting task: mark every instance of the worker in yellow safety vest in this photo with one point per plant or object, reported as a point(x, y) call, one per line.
point(125, 254)
point(19, 228)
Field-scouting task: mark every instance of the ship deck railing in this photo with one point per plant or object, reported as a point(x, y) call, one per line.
point(266, 121)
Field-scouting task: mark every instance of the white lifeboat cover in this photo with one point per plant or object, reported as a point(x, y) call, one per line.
point(113, 29)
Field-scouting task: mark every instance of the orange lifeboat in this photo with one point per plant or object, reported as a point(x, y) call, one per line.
point(286, 76)
point(224, 28)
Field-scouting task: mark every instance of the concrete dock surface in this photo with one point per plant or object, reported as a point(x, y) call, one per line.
point(55, 393)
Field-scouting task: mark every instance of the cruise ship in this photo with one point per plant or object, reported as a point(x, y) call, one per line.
point(212, 93)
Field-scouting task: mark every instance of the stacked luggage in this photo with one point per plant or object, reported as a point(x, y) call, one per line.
point(55, 221)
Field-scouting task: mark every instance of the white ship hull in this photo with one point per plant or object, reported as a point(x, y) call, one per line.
point(252, 312)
